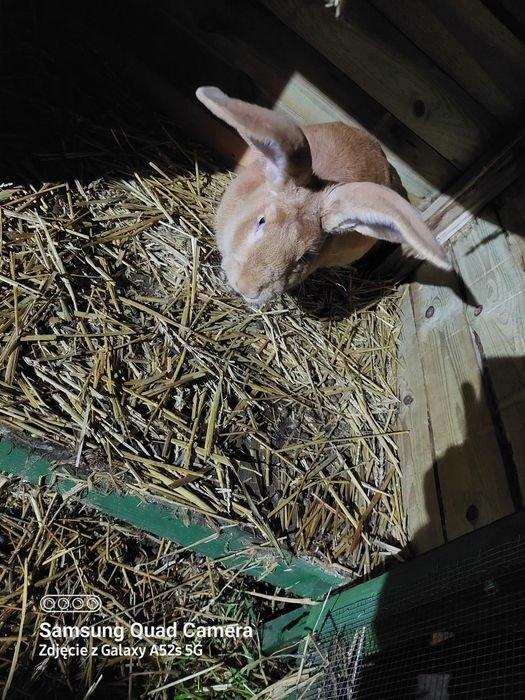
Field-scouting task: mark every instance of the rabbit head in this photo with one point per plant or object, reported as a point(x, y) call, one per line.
point(296, 208)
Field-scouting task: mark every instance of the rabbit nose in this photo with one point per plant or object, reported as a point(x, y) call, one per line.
point(253, 302)
point(249, 292)
point(252, 296)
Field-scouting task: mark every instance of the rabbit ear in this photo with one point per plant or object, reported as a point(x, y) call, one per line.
point(279, 141)
point(377, 211)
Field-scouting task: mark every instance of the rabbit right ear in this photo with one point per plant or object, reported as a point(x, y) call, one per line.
point(379, 212)
point(278, 140)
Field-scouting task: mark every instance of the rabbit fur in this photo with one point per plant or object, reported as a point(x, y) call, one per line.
point(312, 197)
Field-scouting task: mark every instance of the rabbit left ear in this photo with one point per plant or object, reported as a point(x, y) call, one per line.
point(379, 212)
point(279, 141)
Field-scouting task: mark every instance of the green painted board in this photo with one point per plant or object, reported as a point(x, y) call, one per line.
point(233, 545)
point(359, 604)
point(291, 628)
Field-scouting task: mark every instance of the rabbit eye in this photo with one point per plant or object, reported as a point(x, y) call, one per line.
point(258, 230)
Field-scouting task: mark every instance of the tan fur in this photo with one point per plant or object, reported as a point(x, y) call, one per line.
point(323, 193)
point(342, 153)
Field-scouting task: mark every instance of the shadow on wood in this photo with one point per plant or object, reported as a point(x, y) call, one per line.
point(468, 496)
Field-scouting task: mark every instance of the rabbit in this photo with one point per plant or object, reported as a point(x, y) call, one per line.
point(311, 197)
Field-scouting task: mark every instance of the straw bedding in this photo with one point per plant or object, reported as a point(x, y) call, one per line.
point(122, 345)
point(49, 546)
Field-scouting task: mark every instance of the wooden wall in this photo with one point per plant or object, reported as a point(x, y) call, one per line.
point(436, 81)
point(462, 381)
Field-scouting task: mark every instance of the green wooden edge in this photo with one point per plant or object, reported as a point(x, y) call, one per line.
point(229, 543)
point(289, 630)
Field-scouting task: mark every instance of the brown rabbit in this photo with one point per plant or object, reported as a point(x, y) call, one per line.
point(314, 197)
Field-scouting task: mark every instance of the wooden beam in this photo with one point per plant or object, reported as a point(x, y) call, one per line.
point(235, 547)
point(420, 499)
point(276, 67)
point(477, 187)
point(387, 65)
point(470, 193)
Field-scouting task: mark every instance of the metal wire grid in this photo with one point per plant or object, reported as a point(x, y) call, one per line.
point(458, 633)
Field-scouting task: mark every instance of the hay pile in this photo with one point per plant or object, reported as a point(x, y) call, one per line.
point(122, 345)
point(49, 546)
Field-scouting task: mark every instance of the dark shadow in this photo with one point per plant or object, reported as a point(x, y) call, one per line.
point(427, 275)
point(510, 207)
point(446, 624)
point(335, 293)
point(498, 412)
point(66, 110)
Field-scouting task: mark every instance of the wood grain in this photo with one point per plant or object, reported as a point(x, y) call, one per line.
point(275, 67)
point(420, 501)
point(468, 43)
point(472, 477)
point(384, 63)
point(491, 263)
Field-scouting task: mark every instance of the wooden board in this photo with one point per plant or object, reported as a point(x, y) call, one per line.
point(384, 63)
point(275, 67)
point(415, 446)
point(472, 476)
point(510, 207)
point(511, 13)
point(491, 264)
point(470, 44)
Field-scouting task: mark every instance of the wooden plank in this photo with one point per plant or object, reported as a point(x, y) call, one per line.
point(472, 477)
point(472, 191)
point(470, 44)
point(511, 13)
point(420, 501)
point(491, 264)
point(501, 165)
point(384, 63)
point(279, 68)
point(510, 207)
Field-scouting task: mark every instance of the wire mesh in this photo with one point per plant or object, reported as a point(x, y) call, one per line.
point(459, 633)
